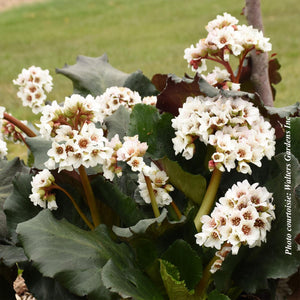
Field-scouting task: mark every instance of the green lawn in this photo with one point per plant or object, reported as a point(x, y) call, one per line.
point(149, 35)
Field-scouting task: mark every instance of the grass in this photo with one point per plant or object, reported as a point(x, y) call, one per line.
point(150, 35)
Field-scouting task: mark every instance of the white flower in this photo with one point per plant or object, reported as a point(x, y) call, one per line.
point(41, 190)
point(150, 100)
point(238, 218)
point(33, 84)
point(159, 185)
point(113, 97)
point(233, 126)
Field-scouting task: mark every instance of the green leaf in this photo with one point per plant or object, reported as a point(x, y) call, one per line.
point(152, 128)
point(18, 207)
point(193, 186)
point(8, 170)
point(175, 288)
point(69, 254)
point(118, 122)
point(39, 148)
point(137, 81)
point(77, 264)
point(216, 295)
point(189, 264)
point(124, 206)
point(129, 282)
point(93, 75)
point(10, 255)
point(45, 288)
point(154, 227)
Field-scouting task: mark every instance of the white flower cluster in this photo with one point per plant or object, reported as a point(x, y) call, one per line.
point(114, 97)
point(233, 126)
point(3, 146)
point(33, 84)
point(41, 190)
point(159, 183)
point(225, 37)
point(242, 217)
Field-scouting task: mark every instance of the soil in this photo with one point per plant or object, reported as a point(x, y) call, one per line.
point(7, 4)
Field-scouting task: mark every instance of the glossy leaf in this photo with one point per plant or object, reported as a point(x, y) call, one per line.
point(153, 128)
point(78, 264)
point(189, 264)
point(193, 186)
point(175, 287)
point(8, 170)
point(129, 282)
point(93, 75)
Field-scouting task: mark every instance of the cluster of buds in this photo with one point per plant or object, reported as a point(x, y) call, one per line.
point(225, 37)
point(33, 84)
point(3, 146)
point(41, 192)
point(233, 126)
point(242, 217)
point(11, 132)
point(159, 183)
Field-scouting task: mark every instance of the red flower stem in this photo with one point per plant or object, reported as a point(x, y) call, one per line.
point(237, 78)
point(19, 124)
point(89, 194)
point(80, 212)
point(176, 209)
point(225, 64)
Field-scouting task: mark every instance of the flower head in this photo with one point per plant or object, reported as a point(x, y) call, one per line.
point(238, 218)
point(113, 98)
point(41, 193)
point(234, 127)
point(33, 84)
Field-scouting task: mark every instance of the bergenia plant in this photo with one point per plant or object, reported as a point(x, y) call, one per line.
point(179, 188)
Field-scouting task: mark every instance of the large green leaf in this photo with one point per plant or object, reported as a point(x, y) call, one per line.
point(189, 264)
point(152, 128)
point(10, 255)
point(175, 287)
point(274, 259)
point(93, 75)
point(18, 207)
point(73, 256)
point(124, 206)
point(39, 148)
point(45, 288)
point(193, 186)
point(8, 170)
point(129, 282)
point(118, 122)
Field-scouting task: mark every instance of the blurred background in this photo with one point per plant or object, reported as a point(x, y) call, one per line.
point(149, 35)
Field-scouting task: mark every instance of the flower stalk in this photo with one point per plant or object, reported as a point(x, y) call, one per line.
point(209, 197)
point(19, 124)
point(152, 197)
point(89, 196)
point(80, 212)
